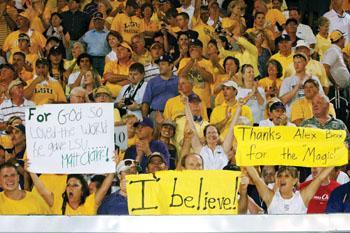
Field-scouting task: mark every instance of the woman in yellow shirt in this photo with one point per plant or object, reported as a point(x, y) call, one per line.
point(235, 23)
point(272, 82)
point(76, 198)
point(149, 25)
point(322, 38)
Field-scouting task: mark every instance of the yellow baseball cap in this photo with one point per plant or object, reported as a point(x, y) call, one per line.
point(336, 35)
point(126, 45)
point(101, 90)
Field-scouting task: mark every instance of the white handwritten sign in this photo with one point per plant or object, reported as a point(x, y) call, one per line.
point(70, 138)
point(121, 137)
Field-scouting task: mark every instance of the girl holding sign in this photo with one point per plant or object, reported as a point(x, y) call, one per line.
point(76, 199)
point(282, 199)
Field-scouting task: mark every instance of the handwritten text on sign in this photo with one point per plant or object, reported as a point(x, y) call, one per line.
point(183, 192)
point(70, 138)
point(291, 146)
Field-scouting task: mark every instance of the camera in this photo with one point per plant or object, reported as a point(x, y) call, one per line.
point(128, 101)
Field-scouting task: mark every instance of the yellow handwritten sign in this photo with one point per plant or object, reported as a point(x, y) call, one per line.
point(183, 193)
point(291, 146)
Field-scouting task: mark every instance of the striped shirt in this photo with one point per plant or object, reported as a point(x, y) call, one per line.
point(9, 109)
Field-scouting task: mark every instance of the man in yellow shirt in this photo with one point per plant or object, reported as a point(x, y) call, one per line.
point(222, 115)
point(128, 24)
point(285, 54)
point(38, 41)
point(15, 201)
point(181, 122)
point(200, 24)
point(116, 73)
point(24, 46)
point(174, 107)
point(301, 109)
point(141, 54)
point(102, 94)
point(260, 26)
point(22, 67)
point(44, 89)
point(199, 69)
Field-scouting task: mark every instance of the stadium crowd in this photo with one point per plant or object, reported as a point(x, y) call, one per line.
point(181, 75)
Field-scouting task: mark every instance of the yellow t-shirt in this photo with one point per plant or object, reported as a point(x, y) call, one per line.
point(200, 87)
point(267, 83)
point(302, 109)
point(322, 45)
point(88, 208)
point(285, 62)
point(273, 16)
point(144, 59)
point(180, 129)
point(269, 33)
point(36, 40)
point(46, 92)
point(127, 26)
point(151, 26)
point(204, 32)
point(35, 23)
point(116, 68)
point(174, 108)
point(50, 9)
point(57, 185)
point(248, 56)
point(314, 68)
point(219, 114)
point(227, 22)
point(31, 204)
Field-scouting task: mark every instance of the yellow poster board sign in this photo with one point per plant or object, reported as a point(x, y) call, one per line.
point(183, 193)
point(290, 146)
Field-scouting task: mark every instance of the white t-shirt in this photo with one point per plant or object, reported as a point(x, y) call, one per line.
point(128, 92)
point(294, 205)
point(304, 32)
point(257, 110)
point(339, 22)
point(334, 58)
point(213, 160)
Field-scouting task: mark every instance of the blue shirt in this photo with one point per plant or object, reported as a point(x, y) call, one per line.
point(96, 43)
point(339, 201)
point(158, 91)
point(155, 146)
point(114, 204)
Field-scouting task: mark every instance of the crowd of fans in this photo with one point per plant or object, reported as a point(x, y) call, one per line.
point(181, 75)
